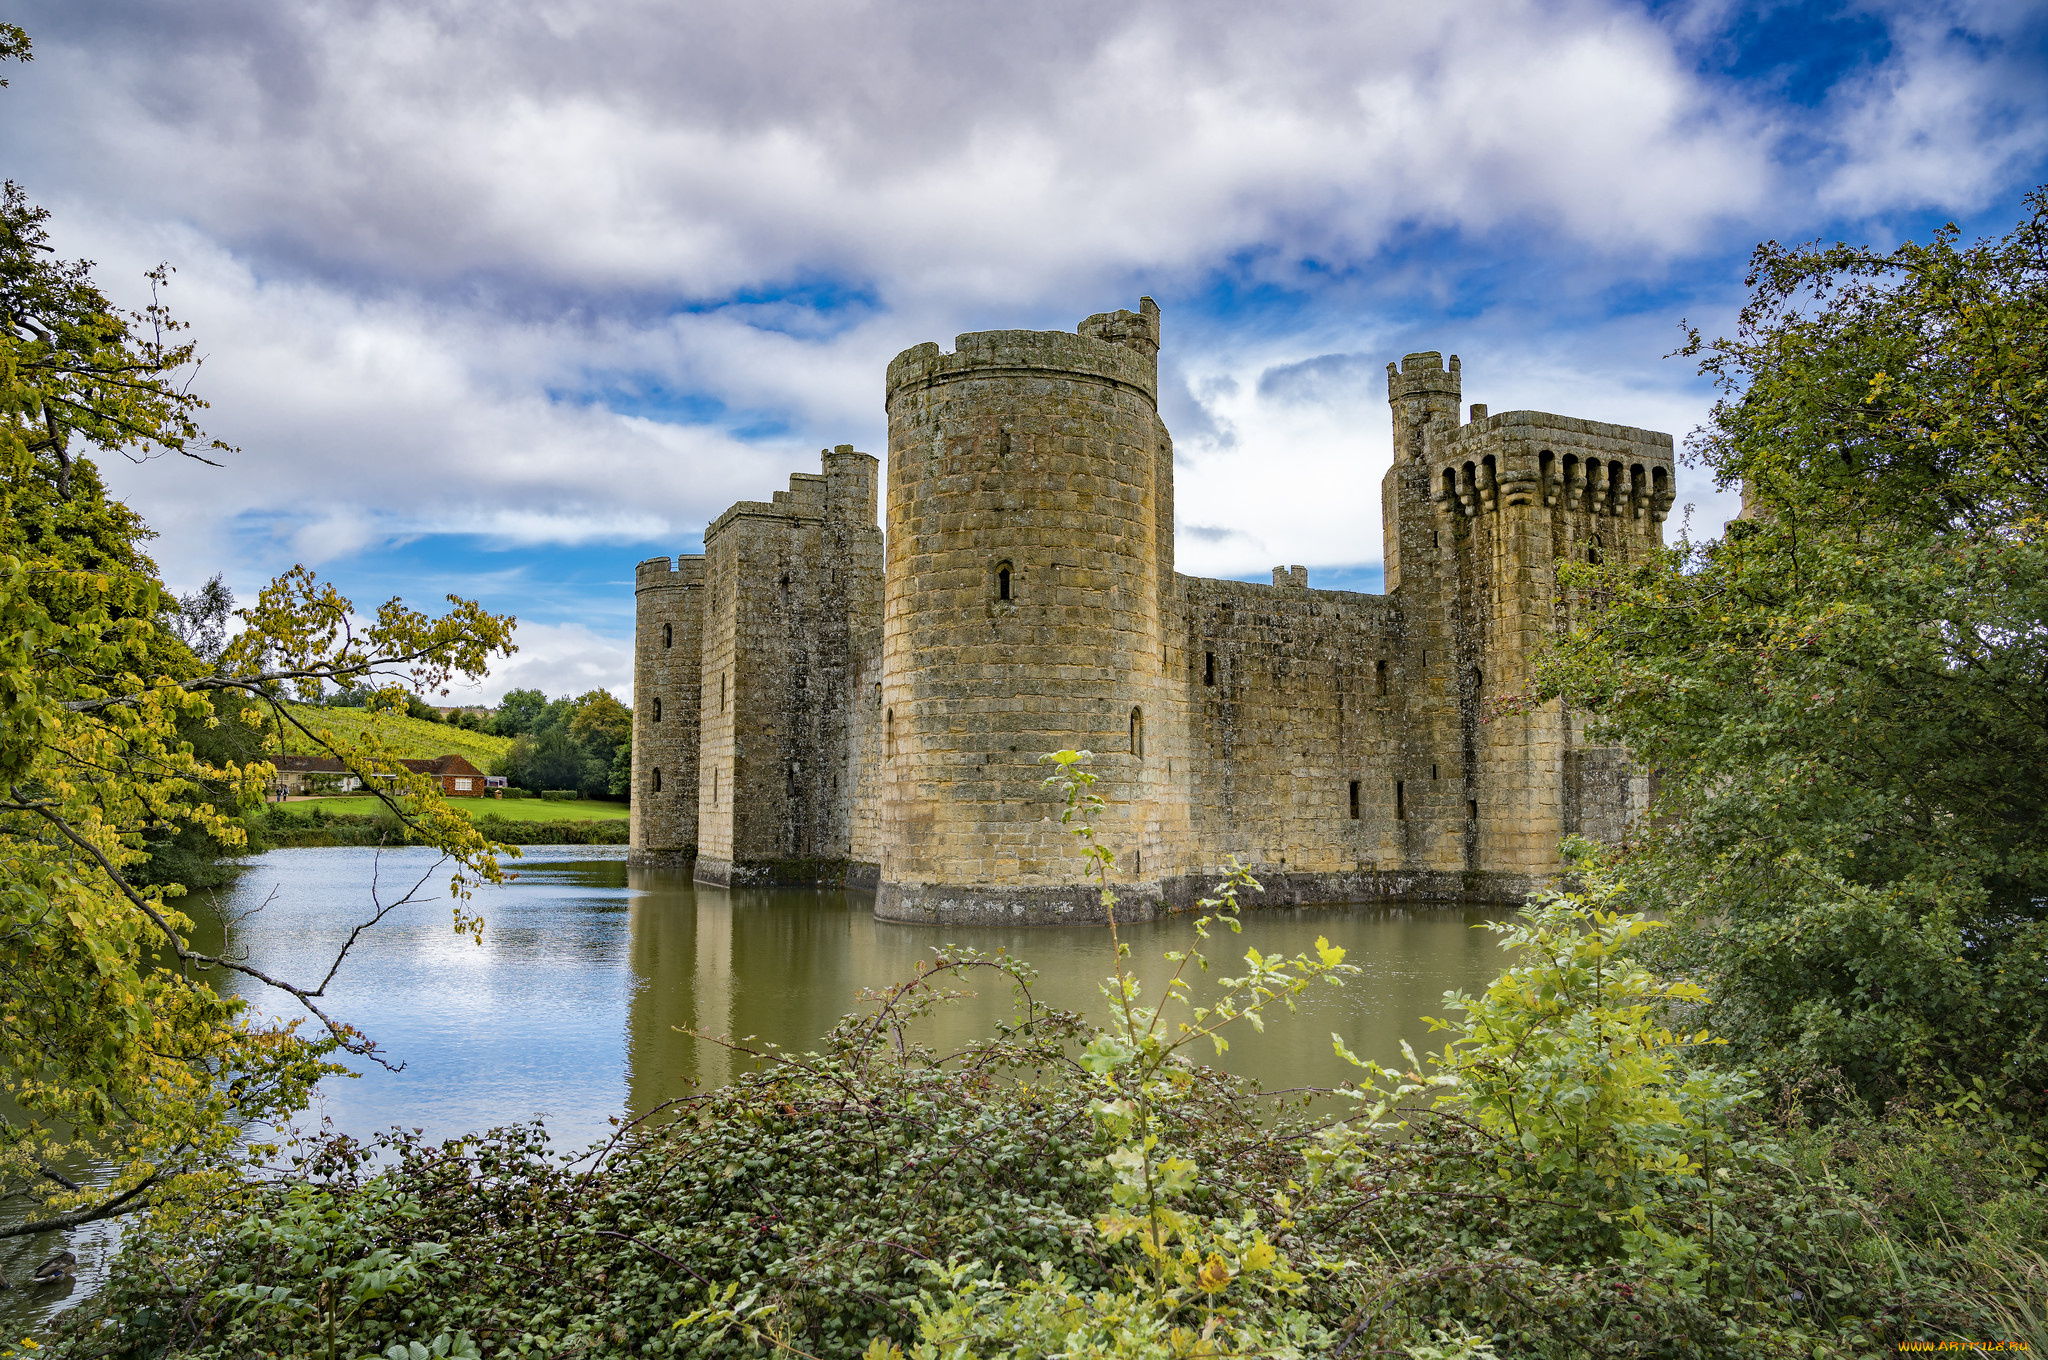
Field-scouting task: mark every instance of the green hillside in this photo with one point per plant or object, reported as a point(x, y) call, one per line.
point(411, 737)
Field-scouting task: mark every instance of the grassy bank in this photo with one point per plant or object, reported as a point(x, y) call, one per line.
point(504, 809)
point(286, 826)
point(410, 737)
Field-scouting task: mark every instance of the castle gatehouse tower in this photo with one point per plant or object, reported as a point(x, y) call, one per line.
point(812, 706)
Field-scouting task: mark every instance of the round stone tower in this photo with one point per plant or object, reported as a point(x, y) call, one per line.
point(667, 664)
point(1030, 531)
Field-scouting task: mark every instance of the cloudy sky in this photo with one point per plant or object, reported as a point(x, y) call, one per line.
point(501, 296)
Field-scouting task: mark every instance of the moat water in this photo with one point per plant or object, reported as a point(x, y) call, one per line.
point(573, 1008)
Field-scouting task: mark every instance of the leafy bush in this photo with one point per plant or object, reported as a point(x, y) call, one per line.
point(1843, 693)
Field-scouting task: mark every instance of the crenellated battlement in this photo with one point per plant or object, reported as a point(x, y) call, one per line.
point(659, 573)
point(1136, 331)
point(1424, 373)
point(1523, 457)
point(1119, 348)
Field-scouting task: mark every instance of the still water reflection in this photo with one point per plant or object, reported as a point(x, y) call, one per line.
point(574, 1004)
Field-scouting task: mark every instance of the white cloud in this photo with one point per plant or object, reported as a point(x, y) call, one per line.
point(1946, 121)
point(556, 659)
point(953, 158)
point(525, 268)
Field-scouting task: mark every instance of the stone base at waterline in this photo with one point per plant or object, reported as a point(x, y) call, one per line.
point(786, 873)
point(678, 857)
point(1081, 905)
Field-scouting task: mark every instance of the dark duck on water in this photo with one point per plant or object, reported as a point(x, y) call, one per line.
point(56, 1270)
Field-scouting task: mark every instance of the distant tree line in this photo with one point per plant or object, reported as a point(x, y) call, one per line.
point(584, 743)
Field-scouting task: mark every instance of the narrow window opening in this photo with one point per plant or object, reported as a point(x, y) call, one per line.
point(721, 693)
point(1433, 541)
point(1477, 679)
point(1137, 862)
point(714, 786)
point(1400, 801)
point(1379, 678)
point(668, 635)
point(785, 590)
point(1208, 668)
point(1003, 581)
point(1471, 809)
point(889, 730)
point(1354, 800)
point(1432, 772)
point(657, 708)
point(657, 779)
point(1138, 734)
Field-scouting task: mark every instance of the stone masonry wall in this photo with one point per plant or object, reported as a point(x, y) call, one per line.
point(1292, 697)
point(1023, 614)
point(1519, 492)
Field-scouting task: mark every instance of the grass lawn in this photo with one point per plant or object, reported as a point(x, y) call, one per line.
point(511, 809)
point(414, 738)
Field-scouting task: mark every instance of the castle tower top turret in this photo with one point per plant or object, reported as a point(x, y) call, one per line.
point(1137, 331)
point(1120, 349)
point(1421, 390)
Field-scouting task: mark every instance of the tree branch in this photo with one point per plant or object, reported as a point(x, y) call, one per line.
point(82, 1216)
point(347, 1036)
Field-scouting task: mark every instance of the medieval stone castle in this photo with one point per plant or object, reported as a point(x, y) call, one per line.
point(816, 703)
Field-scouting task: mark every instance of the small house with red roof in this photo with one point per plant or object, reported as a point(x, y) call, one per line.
point(298, 775)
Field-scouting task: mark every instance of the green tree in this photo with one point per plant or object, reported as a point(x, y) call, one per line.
point(550, 760)
point(619, 784)
point(601, 724)
point(518, 711)
point(1847, 694)
point(111, 1028)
